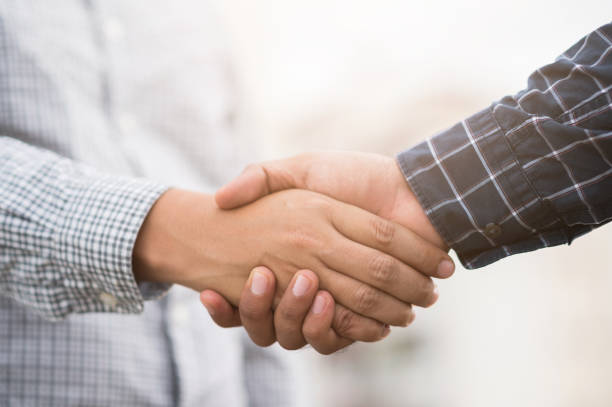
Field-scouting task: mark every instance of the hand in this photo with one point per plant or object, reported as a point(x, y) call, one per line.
point(370, 181)
point(304, 314)
point(362, 260)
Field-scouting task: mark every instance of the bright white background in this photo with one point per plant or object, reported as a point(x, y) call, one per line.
point(531, 330)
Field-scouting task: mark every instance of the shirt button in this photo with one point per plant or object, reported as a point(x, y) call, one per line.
point(109, 300)
point(493, 230)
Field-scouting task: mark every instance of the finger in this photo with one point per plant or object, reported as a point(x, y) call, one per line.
point(256, 181)
point(353, 326)
point(220, 310)
point(364, 299)
point(293, 307)
point(346, 323)
point(317, 328)
point(381, 271)
point(403, 244)
point(256, 306)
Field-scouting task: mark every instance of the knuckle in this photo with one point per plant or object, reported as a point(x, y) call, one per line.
point(354, 327)
point(383, 230)
point(302, 239)
point(344, 321)
point(383, 269)
point(366, 299)
point(316, 202)
point(323, 203)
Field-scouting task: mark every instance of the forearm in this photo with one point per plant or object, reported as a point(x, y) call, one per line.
point(531, 171)
point(187, 240)
point(176, 241)
point(67, 232)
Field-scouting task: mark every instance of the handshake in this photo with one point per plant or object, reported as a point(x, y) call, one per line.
point(322, 248)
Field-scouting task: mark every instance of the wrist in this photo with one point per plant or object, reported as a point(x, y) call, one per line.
point(187, 240)
point(162, 249)
point(406, 202)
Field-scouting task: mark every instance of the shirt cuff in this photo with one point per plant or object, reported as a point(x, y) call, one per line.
point(94, 241)
point(476, 194)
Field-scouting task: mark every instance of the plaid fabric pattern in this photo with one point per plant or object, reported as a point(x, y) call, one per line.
point(84, 86)
point(533, 170)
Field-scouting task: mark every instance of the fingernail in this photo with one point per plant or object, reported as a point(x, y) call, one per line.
point(301, 285)
point(319, 304)
point(446, 268)
point(386, 331)
point(259, 283)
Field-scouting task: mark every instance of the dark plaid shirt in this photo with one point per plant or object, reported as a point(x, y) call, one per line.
point(533, 170)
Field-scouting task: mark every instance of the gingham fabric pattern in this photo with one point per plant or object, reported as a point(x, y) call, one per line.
point(533, 170)
point(68, 233)
point(102, 104)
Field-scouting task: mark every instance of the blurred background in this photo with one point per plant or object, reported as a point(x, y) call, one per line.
point(379, 76)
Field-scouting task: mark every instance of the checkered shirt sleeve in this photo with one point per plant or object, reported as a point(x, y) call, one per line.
point(531, 171)
point(67, 233)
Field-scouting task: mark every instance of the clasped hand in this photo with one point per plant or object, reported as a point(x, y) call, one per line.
point(314, 249)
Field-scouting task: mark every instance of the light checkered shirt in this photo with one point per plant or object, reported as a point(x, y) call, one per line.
point(132, 89)
point(533, 170)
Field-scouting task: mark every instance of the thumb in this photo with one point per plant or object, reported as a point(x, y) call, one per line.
point(257, 181)
point(249, 186)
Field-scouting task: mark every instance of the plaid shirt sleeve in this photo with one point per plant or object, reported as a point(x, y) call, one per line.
point(67, 233)
point(531, 171)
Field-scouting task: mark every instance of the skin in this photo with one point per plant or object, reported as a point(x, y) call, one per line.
point(311, 317)
point(356, 256)
point(369, 181)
